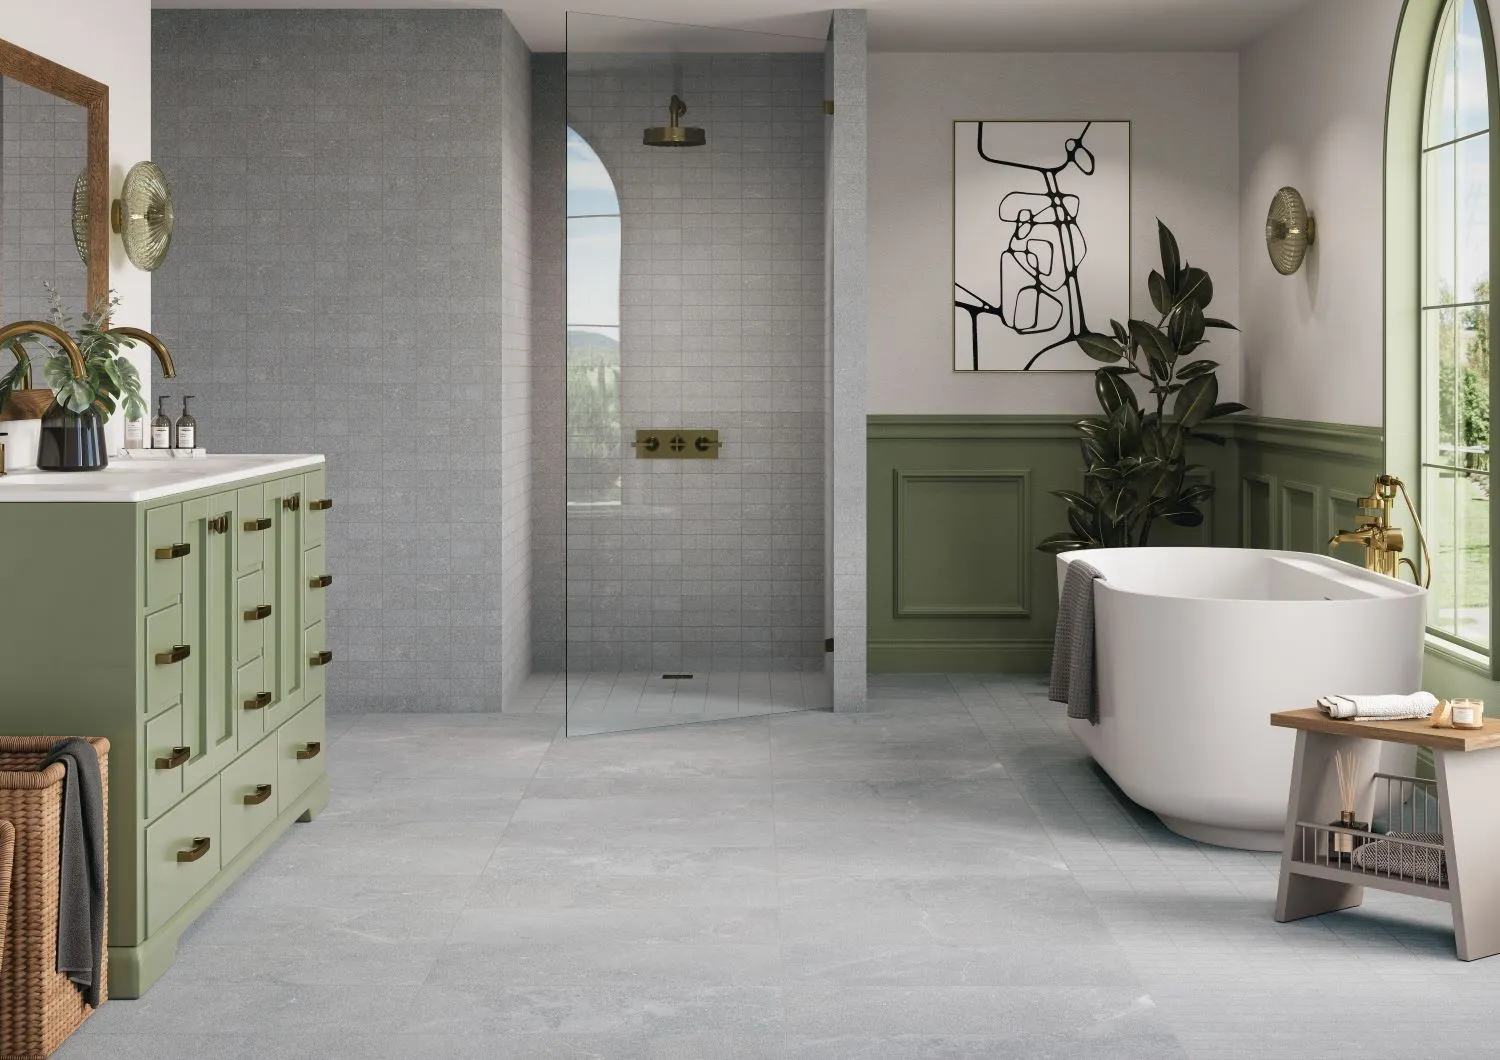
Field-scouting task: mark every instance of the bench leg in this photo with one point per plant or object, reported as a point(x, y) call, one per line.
point(1314, 797)
point(1471, 837)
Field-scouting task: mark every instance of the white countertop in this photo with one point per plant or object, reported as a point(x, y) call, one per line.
point(144, 480)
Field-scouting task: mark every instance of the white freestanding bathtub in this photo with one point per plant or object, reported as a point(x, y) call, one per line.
point(1196, 647)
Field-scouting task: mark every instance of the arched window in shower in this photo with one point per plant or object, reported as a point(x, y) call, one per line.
point(593, 326)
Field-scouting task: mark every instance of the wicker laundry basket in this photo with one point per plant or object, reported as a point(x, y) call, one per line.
point(39, 1006)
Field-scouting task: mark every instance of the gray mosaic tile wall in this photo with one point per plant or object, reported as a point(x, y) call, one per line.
point(549, 306)
point(710, 565)
point(337, 285)
point(43, 148)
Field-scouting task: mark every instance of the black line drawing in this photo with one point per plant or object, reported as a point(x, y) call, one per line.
point(1040, 290)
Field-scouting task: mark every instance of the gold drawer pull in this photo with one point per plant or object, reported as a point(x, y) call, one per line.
point(322, 581)
point(293, 502)
point(260, 702)
point(323, 658)
point(200, 847)
point(174, 552)
point(179, 756)
point(262, 793)
point(176, 655)
point(311, 751)
point(258, 613)
point(219, 524)
point(320, 505)
point(254, 525)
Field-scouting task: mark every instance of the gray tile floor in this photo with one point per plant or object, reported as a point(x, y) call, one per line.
point(945, 878)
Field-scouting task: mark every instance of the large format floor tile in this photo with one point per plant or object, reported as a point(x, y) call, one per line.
point(945, 877)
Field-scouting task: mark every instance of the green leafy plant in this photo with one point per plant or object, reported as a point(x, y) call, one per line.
point(110, 380)
point(1135, 454)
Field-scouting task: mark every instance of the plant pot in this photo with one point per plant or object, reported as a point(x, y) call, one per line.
point(71, 441)
point(27, 404)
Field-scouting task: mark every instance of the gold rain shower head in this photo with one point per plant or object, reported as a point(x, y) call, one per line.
point(674, 134)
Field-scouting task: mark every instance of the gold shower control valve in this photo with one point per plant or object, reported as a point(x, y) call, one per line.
point(677, 443)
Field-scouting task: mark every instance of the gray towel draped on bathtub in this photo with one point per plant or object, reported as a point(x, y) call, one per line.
point(1073, 679)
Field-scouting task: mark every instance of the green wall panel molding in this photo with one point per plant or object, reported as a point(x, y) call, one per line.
point(958, 503)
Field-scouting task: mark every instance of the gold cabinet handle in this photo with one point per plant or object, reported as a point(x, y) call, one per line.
point(320, 505)
point(258, 613)
point(179, 756)
point(323, 658)
point(178, 653)
point(175, 551)
point(219, 524)
point(310, 751)
point(293, 502)
point(199, 848)
point(322, 581)
point(262, 793)
point(261, 701)
point(255, 525)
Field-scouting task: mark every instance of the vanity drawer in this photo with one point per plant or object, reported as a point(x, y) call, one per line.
point(165, 654)
point(163, 783)
point(182, 854)
point(251, 692)
point(248, 787)
point(317, 659)
point(301, 754)
point(253, 525)
point(250, 602)
point(316, 590)
point(315, 504)
point(167, 549)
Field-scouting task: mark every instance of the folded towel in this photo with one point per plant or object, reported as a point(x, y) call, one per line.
point(1382, 708)
point(1073, 679)
point(80, 920)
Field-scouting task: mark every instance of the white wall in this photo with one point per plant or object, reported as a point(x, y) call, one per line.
point(1312, 96)
point(1185, 114)
point(110, 41)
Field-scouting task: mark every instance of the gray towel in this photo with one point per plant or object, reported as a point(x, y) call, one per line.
point(80, 919)
point(1073, 645)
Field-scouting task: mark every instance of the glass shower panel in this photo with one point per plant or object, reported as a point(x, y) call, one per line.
point(695, 387)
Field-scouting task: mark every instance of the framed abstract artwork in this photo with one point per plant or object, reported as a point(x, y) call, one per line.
point(1041, 241)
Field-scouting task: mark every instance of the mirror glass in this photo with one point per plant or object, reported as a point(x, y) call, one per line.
point(43, 151)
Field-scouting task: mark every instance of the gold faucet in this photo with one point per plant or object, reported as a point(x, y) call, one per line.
point(168, 369)
point(1382, 541)
point(48, 331)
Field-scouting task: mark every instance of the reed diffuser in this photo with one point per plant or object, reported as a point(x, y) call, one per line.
point(1340, 844)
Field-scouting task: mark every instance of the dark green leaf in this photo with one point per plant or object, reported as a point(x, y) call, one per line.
point(1195, 400)
point(1186, 328)
point(1122, 334)
point(1100, 347)
point(1062, 543)
point(1075, 499)
point(1226, 408)
point(1215, 322)
point(1183, 515)
point(1198, 493)
point(1159, 349)
point(1195, 286)
point(1084, 524)
point(1161, 294)
point(75, 394)
point(1196, 368)
point(1112, 391)
point(1171, 257)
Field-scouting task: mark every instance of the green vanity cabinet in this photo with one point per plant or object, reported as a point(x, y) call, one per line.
point(186, 625)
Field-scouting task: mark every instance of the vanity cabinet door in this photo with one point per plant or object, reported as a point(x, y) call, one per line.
point(209, 705)
point(166, 552)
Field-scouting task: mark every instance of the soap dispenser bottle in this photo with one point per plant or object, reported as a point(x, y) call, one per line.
point(161, 426)
point(187, 427)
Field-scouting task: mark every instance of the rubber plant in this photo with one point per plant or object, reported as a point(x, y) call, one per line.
point(1155, 396)
point(110, 380)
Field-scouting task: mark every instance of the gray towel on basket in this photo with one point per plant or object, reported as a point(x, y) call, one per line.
point(80, 916)
point(1073, 679)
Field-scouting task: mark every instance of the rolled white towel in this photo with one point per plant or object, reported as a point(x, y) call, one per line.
point(1384, 708)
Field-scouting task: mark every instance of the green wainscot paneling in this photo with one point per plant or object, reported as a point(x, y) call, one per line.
point(958, 503)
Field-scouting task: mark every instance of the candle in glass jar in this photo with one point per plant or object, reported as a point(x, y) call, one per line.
point(1467, 714)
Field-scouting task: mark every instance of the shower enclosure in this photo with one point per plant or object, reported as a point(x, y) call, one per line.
point(696, 398)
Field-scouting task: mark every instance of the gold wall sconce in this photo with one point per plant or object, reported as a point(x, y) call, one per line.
point(142, 216)
point(1290, 230)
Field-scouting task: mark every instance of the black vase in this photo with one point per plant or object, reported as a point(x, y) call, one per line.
point(71, 441)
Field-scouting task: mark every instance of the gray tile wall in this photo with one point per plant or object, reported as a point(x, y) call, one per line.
point(43, 148)
point(516, 360)
point(847, 294)
point(337, 285)
point(549, 305)
point(711, 565)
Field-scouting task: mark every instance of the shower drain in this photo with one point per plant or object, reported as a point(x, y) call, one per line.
point(676, 677)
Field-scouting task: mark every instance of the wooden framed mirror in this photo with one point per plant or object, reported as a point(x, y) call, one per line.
point(54, 134)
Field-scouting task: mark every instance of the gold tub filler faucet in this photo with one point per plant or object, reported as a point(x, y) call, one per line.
point(1384, 542)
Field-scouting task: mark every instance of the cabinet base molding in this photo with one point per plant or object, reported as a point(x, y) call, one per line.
point(134, 969)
